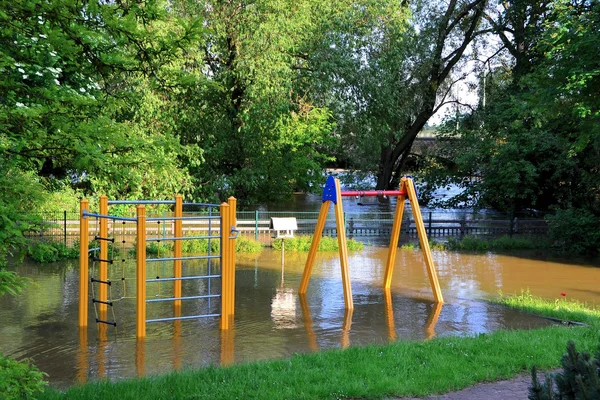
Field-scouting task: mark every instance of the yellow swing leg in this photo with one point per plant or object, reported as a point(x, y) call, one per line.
point(312, 253)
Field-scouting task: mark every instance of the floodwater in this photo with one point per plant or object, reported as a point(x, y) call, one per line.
point(272, 320)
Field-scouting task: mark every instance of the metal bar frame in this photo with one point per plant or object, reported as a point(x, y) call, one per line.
point(181, 238)
point(183, 278)
point(181, 318)
point(206, 296)
point(180, 258)
point(140, 202)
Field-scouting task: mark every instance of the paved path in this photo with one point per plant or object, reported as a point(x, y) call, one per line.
point(517, 388)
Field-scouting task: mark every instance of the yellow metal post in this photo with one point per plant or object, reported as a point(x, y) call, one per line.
point(141, 273)
point(341, 233)
point(83, 264)
point(82, 356)
point(312, 339)
point(232, 245)
point(103, 265)
point(225, 270)
point(314, 246)
point(391, 258)
point(177, 249)
point(433, 279)
point(432, 320)
point(389, 315)
point(345, 339)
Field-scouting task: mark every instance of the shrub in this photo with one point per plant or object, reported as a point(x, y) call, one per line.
point(47, 252)
point(579, 378)
point(575, 231)
point(20, 380)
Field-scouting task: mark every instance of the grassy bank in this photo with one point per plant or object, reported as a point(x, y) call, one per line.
point(483, 243)
point(399, 369)
point(302, 243)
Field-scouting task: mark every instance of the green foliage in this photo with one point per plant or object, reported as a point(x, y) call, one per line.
point(20, 380)
point(475, 243)
point(47, 252)
point(562, 308)
point(575, 231)
point(11, 283)
point(200, 246)
point(302, 243)
point(579, 378)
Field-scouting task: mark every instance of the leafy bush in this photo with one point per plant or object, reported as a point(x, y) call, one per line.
point(247, 245)
point(472, 243)
point(575, 231)
point(20, 380)
point(47, 252)
point(579, 379)
point(10, 282)
point(302, 243)
point(199, 246)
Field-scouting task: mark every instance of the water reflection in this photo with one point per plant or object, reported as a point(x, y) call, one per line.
point(271, 320)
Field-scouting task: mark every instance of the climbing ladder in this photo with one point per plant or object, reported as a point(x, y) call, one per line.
point(225, 221)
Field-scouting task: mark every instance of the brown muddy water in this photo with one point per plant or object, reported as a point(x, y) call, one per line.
point(271, 320)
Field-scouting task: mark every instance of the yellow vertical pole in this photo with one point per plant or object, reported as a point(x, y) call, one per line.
point(232, 242)
point(345, 339)
point(82, 356)
point(141, 273)
point(432, 320)
point(225, 271)
point(312, 253)
point(140, 357)
point(341, 233)
point(433, 279)
point(391, 259)
point(389, 315)
point(312, 339)
point(227, 347)
point(103, 265)
point(83, 263)
point(177, 249)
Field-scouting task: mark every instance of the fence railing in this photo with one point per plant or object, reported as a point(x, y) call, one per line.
point(64, 226)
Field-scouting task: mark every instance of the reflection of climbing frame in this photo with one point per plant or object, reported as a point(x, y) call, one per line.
point(333, 194)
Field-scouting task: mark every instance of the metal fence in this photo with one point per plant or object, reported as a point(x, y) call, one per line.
point(64, 226)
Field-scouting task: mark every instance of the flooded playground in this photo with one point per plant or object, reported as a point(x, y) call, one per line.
point(271, 319)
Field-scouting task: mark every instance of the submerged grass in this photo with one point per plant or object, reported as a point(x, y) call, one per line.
point(398, 369)
point(242, 245)
point(303, 242)
point(563, 309)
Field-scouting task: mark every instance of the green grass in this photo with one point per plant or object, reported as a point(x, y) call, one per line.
point(303, 242)
point(242, 245)
point(563, 309)
point(399, 369)
point(474, 243)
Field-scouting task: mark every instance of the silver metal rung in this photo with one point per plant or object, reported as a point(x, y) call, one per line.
point(183, 278)
point(181, 258)
point(180, 318)
point(87, 214)
point(141, 202)
point(182, 238)
point(193, 218)
point(202, 204)
point(207, 296)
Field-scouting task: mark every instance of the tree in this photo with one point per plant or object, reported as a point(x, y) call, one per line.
point(67, 101)
point(397, 80)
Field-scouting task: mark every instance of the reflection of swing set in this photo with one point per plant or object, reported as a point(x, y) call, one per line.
point(333, 194)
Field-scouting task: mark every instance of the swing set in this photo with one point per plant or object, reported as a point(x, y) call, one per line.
point(332, 193)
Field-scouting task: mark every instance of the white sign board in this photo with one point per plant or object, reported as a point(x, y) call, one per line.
point(283, 227)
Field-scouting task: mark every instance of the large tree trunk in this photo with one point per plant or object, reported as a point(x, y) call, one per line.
point(394, 154)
